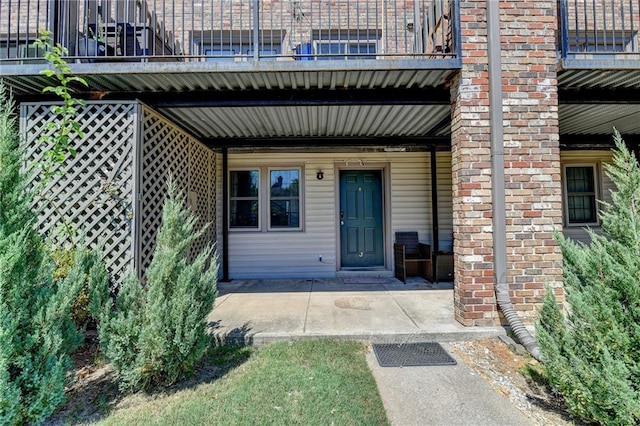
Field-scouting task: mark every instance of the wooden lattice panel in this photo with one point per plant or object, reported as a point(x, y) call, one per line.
point(200, 192)
point(168, 151)
point(94, 194)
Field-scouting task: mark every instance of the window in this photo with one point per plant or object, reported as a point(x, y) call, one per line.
point(281, 194)
point(15, 46)
point(580, 194)
point(351, 48)
point(237, 45)
point(227, 53)
point(346, 44)
point(284, 198)
point(601, 41)
point(244, 199)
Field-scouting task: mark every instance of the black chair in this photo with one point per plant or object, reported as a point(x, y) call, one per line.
point(411, 257)
point(443, 266)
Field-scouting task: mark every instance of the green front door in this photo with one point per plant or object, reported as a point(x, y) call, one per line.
point(361, 233)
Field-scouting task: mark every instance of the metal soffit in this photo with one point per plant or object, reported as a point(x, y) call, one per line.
point(313, 121)
point(600, 78)
point(599, 119)
point(255, 122)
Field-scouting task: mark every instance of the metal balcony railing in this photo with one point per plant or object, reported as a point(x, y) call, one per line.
point(231, 30)
point(599, 28)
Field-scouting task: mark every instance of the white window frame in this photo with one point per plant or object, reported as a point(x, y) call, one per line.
point(264, 198)
point(597, 182)
point(231, 198)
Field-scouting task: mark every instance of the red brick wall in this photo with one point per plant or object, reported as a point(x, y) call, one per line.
point(532, 162)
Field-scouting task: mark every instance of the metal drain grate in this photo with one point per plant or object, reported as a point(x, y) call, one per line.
point(411, 354)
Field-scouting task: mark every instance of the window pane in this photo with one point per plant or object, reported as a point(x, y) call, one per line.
point(582, 209)
point(285, 213)
point(580, 179)
point(329, 48)
point(362, 48)
point(244, 183)
point(285, 183)
point(244, 213)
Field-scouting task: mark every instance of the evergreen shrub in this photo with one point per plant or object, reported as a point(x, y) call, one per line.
point(37, 332)
point(592, 355)
point(153, 334)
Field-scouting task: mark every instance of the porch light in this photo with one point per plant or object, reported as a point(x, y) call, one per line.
point(320, 175)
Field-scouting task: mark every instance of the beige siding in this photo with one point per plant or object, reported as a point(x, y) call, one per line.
point(283, 254)
point(411, 194)
point(600, 158)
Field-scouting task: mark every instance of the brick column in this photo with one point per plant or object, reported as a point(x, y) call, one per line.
point(532, 161)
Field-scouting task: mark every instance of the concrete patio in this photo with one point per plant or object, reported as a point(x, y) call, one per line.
point(372, 309)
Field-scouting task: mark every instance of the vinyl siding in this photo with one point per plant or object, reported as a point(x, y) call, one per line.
point(294, 254)
point(605, 185)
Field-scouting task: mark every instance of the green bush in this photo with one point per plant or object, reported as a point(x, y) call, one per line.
point(592, 357)
point(154, 334)
point(37, 333)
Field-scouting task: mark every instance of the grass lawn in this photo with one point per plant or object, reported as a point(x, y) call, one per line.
point(310, 382)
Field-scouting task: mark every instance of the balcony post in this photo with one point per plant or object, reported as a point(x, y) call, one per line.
point(256, 29)
point(564, 31)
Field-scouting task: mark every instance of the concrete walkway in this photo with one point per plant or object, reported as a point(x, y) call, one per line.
point(442, 395)
point(374, 309)
point(377, 310)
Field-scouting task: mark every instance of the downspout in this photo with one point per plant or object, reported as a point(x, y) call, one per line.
point(225, 214)
point(497, 182)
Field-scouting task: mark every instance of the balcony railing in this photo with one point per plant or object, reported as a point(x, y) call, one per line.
point(597, 29)
point(231, 30)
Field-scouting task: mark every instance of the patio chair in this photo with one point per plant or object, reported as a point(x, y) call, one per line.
point(411, 257)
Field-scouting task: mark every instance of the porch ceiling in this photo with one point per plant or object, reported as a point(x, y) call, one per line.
point(599, 119)
point(262, 124)
point(312, 121)
point(601, 76)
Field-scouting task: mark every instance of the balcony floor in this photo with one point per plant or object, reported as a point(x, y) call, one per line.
point(136, 77)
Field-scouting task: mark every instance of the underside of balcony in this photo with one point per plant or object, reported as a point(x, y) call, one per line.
point(193, 76)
